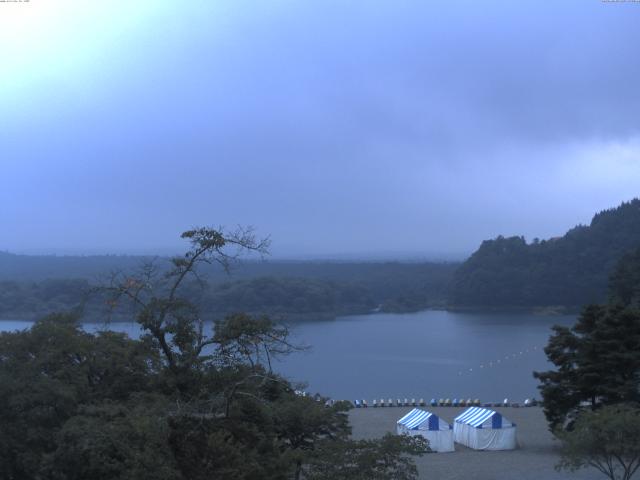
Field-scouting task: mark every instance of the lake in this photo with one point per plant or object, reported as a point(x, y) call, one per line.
point(426, 354)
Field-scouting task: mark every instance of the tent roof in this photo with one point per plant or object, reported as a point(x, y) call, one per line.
point(475, 416)
point(415, 418)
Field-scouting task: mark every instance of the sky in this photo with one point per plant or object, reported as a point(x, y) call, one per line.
point(387, 129)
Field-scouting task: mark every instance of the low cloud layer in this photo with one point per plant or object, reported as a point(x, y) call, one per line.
point(400, 128)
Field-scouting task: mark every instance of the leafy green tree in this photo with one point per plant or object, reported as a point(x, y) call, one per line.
point(303, 423)
point(48, 373)
point(381, 459)
point(115, 441)
point(178, 403)
point(242, 339)
point(240, 446)
point(607, 440)
point(171, 321)
point(597, 360)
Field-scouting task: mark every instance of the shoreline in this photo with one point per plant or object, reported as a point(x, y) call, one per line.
point(549, 310)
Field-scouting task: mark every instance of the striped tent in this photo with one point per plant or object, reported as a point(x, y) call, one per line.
point(484, 429)
point(428, 425)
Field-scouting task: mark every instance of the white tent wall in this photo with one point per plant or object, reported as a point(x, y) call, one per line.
point(485, 438)
point(483, 429)
point(440, 440)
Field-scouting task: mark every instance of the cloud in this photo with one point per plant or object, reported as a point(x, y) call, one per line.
point(337, 127)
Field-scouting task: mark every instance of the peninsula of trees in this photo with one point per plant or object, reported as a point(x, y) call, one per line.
point(31, 286)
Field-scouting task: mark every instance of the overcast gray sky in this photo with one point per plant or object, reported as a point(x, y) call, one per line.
point(386, 128)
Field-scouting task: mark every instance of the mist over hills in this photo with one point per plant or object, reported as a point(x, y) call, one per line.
point(506, 272)
point(42, 267)
point(32, 286)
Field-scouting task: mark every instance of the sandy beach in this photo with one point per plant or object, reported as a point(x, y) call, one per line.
point(533, 460)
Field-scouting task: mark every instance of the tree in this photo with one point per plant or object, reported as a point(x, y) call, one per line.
point(242, 339)
point(115, 441)
point(49, 374)
point(302, 424)
point(607, 439)
point(171, 321)
point(598, 363)
point(380, 459)
point(598, 359)
point(624, 285)
point(177, 403)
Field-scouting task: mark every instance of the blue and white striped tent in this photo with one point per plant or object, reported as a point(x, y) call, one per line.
point(430, 426)
point(484, 429)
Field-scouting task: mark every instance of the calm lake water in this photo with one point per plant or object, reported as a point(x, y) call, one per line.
point(426, 354)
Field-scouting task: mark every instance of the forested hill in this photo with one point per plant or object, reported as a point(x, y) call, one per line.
point(32, 286)
point(570, 271)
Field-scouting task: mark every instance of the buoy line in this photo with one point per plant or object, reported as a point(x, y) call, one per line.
point(501, 361)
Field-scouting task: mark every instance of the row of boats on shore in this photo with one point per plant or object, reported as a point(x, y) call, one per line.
point(442, 402)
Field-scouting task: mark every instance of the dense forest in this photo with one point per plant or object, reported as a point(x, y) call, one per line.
point(33, 286)
point(567, 271)
point(181, 402)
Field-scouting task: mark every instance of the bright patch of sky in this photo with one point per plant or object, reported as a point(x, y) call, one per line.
point(339, 128)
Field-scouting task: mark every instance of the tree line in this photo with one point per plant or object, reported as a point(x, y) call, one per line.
point(393, 287)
